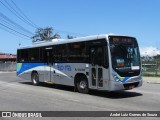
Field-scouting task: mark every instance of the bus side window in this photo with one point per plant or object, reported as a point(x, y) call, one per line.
point(34, 55)
point(60, 53)
point(19, 56)
point(24, 56)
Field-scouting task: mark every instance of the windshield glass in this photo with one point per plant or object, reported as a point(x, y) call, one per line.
point(124, 54)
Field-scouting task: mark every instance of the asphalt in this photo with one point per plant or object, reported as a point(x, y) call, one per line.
point(155, 80)
point(17, 94)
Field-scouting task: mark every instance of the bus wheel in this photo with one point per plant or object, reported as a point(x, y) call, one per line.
point(35, 78)
point(82, 85)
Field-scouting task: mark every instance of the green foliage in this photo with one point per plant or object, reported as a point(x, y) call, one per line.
point(150, 75)
point(42, 34)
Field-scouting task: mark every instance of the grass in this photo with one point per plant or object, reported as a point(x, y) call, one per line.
point(150, 75)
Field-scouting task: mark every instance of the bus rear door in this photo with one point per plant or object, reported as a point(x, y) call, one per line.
point(96, 60)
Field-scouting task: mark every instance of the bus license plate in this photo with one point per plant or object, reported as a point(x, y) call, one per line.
point(131, 87)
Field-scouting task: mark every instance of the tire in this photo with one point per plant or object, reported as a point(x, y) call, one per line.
point(82, 85)
point(35, 78)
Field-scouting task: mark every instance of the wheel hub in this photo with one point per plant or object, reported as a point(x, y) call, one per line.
point(82, 84)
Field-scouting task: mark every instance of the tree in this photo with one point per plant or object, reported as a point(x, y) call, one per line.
point(56, 36)
point(70, 37)
point(42, 34)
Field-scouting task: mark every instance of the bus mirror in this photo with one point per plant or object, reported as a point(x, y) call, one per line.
point(106, 65)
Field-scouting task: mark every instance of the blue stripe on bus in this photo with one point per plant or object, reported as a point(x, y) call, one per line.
point(125, 79)
point(22, 67)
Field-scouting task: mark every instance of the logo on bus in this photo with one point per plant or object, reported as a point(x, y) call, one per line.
point(64, 67)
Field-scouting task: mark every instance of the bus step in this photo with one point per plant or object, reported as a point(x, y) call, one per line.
point(49, 82)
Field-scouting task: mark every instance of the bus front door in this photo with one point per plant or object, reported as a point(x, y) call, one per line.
point(96, 60)
point(48, 65)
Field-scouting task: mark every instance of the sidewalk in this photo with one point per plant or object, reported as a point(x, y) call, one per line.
point(7, 71)
point(152, 79)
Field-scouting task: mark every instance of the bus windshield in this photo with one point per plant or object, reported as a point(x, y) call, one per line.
point(125, 55)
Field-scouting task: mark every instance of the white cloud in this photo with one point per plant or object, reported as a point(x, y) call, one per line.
point(149, 51)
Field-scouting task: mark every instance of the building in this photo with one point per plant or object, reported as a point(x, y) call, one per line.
point(7, 57)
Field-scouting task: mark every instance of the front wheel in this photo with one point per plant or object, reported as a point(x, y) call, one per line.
point(82, 85)
point(35, 78)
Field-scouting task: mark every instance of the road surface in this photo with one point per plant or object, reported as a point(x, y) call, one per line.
point(17, 94)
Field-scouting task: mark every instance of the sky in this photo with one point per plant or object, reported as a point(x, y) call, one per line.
point(138, 18)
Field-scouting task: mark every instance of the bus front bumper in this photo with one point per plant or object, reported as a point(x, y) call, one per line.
point(125, 86)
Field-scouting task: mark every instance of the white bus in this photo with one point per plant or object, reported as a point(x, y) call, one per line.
point(100, 62)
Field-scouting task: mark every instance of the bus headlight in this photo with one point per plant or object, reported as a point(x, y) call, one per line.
point(116, 78)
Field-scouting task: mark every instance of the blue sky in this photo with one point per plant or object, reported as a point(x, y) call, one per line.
point(138, 18)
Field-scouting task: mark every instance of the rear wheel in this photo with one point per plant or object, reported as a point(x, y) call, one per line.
point(35, 78)
point(82, 85)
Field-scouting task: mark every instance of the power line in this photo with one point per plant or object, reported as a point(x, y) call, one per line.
point(14, 9)
point(13, 27)
point(17, 15)
point(67, 32)
point(23, 13)
point(14, 30)
point(12, 33)
point(14, 24)
point(62, 31)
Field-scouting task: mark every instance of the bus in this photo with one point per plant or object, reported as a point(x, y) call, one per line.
point(99, 62)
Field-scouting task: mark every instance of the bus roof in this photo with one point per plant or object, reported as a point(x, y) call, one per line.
point(65, 41)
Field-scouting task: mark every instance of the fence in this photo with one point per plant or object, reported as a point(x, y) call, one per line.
point(151, 68)
point(8, 66)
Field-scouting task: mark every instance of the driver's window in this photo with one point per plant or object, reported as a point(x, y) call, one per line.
point(93, 56)
point(97, 56)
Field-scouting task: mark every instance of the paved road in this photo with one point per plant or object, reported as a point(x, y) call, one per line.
point(152, 80)
point(19, 95)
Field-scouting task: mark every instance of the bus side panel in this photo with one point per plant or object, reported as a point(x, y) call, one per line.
point(65, 72)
